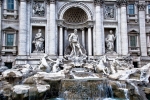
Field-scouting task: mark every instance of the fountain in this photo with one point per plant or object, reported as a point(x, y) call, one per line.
point(76, 77)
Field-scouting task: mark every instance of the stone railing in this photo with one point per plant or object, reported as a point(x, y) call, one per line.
point(132, 17)
point(134, 50)
point(8, 12)
point(9, 49)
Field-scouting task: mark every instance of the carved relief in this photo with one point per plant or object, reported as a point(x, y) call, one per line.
point(38, 9)
point(109, 12)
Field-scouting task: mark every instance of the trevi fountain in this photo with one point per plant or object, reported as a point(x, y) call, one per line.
point(75, 76)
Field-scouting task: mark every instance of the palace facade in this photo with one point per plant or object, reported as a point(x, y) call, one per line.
point(21, 22)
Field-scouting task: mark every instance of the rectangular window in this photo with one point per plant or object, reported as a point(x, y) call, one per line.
point(9, 39)
point(149, 9)
point(131, 9)
point(10, 4)
point(133, 41)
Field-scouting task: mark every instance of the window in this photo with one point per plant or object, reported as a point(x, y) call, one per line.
point(135, 64)
point(8, 64)
point(10, 4)
point(131, 9)
point(9, 39)
point(133, 41)
point(149, 9)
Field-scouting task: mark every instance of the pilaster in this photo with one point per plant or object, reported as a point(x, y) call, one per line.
point(123, 26)
point(98, 49)
point(89, 41)
point(22, 45)
point(0, 23)
point(52, 34)
point(142, 7)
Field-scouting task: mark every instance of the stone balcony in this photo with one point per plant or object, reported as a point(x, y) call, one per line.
point(134, 50)
point(9, 49)
point(13, 13)
point(133, 17)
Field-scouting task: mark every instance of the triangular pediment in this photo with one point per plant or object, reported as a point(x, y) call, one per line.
point(9, 28)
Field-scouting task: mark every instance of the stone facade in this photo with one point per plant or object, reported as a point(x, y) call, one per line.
point(57, 18)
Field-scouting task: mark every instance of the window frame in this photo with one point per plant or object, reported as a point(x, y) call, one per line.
point(148, 8)
point(130, 9)
point(10, 5)
point(6, 39)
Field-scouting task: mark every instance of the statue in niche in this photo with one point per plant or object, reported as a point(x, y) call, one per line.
point(109, 12)
point(110, 42)
point(38, 9)
point(39, 42)
point(74, 43)
point(75, 51)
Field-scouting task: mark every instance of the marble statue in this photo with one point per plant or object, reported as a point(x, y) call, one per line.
point(74, 43)
point(115, 65)
point(101, 66)
point(44, 66)
point(39, 42)
point(55, 67)
point(75, 52)
point(110, 42)
point(38, 9)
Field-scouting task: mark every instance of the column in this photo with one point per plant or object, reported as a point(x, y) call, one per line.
point(142, 7)
point(119, 33)
point(14, 42)
point(83, 37)
point(52, 34)
point(60, 41)
point(15, 8)
point(22, 43)
point(148, 40)
point(66, 42)
point(89, 42)
point(98, 49)
point(47, 30)
point(123, 30)
point(4, 36)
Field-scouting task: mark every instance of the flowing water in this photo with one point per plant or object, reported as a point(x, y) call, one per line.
point(88, 90)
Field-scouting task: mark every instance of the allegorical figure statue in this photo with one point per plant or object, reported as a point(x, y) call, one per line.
point(39, 42)
point(110, 41)
point(74, 43)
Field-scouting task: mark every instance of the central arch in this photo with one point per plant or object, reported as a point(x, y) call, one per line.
point(75, 15)
point(80, 5)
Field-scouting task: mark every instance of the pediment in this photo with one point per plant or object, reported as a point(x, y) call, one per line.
point(9, 28)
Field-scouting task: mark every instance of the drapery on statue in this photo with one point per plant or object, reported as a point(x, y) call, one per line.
point(39, 42)
point(110, 41)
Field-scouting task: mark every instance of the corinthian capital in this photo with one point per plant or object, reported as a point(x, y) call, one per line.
point(51, 1)
point(98, 2)
point(121, 2)
point(141, 6)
